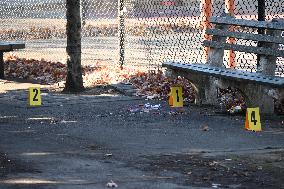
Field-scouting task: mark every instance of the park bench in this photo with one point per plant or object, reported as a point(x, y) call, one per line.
point(261, 88)
point(7, 47)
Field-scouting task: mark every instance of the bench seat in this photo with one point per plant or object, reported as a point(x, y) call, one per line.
point(226, 73)
point(10, 46)
point(7, 47)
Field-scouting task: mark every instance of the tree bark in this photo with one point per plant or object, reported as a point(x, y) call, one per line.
point(74, 80)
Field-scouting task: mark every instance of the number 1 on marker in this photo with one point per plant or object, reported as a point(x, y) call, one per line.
point(177, 98)
point(177, 95)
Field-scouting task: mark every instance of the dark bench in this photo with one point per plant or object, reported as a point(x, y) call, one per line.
point(260, 88)
point(7, 47)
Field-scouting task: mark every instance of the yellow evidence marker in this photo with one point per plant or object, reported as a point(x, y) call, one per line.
point(253, 120)
point(176, 98)
point(34, 98)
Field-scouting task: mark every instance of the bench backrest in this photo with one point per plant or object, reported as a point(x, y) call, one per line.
point(224, 28)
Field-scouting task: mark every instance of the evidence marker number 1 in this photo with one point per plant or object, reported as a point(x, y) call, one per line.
point(176, 98)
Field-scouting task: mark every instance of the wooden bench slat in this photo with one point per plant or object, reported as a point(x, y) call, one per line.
point(18, 45)
point(247, 36)
point(243, 48)
point(226, 73)
point(247, 23)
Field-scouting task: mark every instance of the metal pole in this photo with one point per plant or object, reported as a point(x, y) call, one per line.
point(121, 12)
point(230, 8)
point(84, 9)
point(206, 13)
point(2, 75)
point(261, 17)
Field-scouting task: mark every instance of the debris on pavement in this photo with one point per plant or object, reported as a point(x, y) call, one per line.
point(111, 184)
point(205, 128)
point(235, 109)
point(177, 111)
point(108, 155)
point(215, 185)
point(144, 108)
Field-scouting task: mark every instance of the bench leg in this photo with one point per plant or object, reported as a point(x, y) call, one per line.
point(211, 93)
point(195, 79)
point(257, 96)
point(267, 65)
point(1, 66)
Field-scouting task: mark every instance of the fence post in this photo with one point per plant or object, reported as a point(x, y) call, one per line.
point(83, 10)
point(121, 12)
point(2, 75)
point(230, 8)
point(206, 13)
point(261, 17)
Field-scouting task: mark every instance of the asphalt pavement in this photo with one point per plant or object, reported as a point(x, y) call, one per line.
point(86, 141)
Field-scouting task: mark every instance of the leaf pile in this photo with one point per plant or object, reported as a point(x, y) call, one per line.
point(230, 99)
point(155, 85)
point(42, 71)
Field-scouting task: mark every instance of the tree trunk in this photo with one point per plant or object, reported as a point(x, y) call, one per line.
point(74, 80)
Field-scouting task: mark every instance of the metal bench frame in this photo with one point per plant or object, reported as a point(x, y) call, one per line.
point(259, 88)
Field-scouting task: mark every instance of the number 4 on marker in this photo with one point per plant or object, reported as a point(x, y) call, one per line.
point(253, 120)
point(34, 98)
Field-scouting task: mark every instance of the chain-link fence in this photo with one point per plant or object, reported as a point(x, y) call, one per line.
point(155, 30)
point(173, 29)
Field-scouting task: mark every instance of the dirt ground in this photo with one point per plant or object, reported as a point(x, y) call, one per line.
point(259, 170)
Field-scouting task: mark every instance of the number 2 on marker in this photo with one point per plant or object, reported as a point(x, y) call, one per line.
point(35, 95)
point(34, 98)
